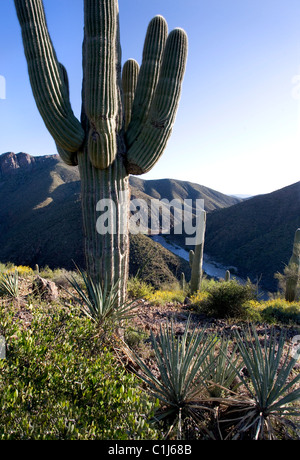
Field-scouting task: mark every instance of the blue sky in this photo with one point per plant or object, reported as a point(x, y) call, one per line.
point(238, 125)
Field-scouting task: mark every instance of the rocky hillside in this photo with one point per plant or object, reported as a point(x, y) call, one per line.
point(40, 215)
point(256, 235)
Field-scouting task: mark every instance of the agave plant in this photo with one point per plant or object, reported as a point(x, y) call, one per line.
point(223, 364)
point(181, 364)
point(101, 304)
point(9, 284)
point(269, 410)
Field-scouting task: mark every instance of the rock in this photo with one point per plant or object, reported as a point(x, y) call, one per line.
point(45, 288)
point(10, 162)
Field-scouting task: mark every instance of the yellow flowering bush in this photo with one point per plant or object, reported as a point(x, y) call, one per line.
point(21, 269)
point(274, 311)
point(198, 298)
point(162, 297)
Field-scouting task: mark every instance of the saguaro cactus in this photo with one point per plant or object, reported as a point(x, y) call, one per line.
point(293, 270)
point(196, 258)
point(227, 275)
point(125, 123)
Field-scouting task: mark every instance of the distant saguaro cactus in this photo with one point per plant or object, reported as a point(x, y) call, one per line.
point(125, 123)
point(293, 270)
point(196, 259)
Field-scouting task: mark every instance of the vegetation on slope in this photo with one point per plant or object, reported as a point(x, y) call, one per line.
point(256, 236)
point(65, 377)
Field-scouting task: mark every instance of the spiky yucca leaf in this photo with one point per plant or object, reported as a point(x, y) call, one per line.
point(181, 364)
point(101, 304)
point(224, 365)
point(271, 386)
point(9, 284)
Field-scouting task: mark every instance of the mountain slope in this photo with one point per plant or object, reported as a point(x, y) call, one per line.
point(40, 215)
point(171, 189)
point(256, 235)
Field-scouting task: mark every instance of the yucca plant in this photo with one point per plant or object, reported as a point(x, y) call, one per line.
point(269, 411)
point(179, 359)
point(101, 304)
point(9, 285)
point(223, 364)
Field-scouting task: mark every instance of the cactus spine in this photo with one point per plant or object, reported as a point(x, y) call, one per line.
point(123, 130)
point(196, 259)
point(293, 270)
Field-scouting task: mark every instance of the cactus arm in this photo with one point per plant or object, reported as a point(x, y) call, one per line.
point(149, 146)
point(46, 77)
point(295, 259)
point(154, 45)
point(227, 276)
point(101, 94)
point(129, 81)
point(70, 158)
point(119, 120)
point(294, 270)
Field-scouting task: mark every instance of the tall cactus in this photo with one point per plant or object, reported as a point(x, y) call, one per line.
point(196, 258)
point(293, 270)
point(126, 117)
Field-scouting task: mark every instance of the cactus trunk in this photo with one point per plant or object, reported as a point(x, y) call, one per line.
point(117, 135)
point(106, 253)
point(196, 258)
point(293, 270)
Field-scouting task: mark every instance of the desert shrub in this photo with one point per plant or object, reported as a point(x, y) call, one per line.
point(59, 382)
point(279, 310)
point(61, 277)
point(46, 272)
point(208, 283)
point(139, 289)
point(198, 299)
point(273, 311)
point(162, 297)
point(22, 270)
point(228, 299)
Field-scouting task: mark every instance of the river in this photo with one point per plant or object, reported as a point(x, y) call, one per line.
point(210, 267)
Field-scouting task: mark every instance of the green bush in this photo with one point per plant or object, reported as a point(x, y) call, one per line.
point(139, 289)
point(228, 299)
point(281, 311)
point(59, 381)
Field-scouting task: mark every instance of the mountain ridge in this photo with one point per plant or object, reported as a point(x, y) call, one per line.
point(40, 220)
point(257, 234)
point(40, 215)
